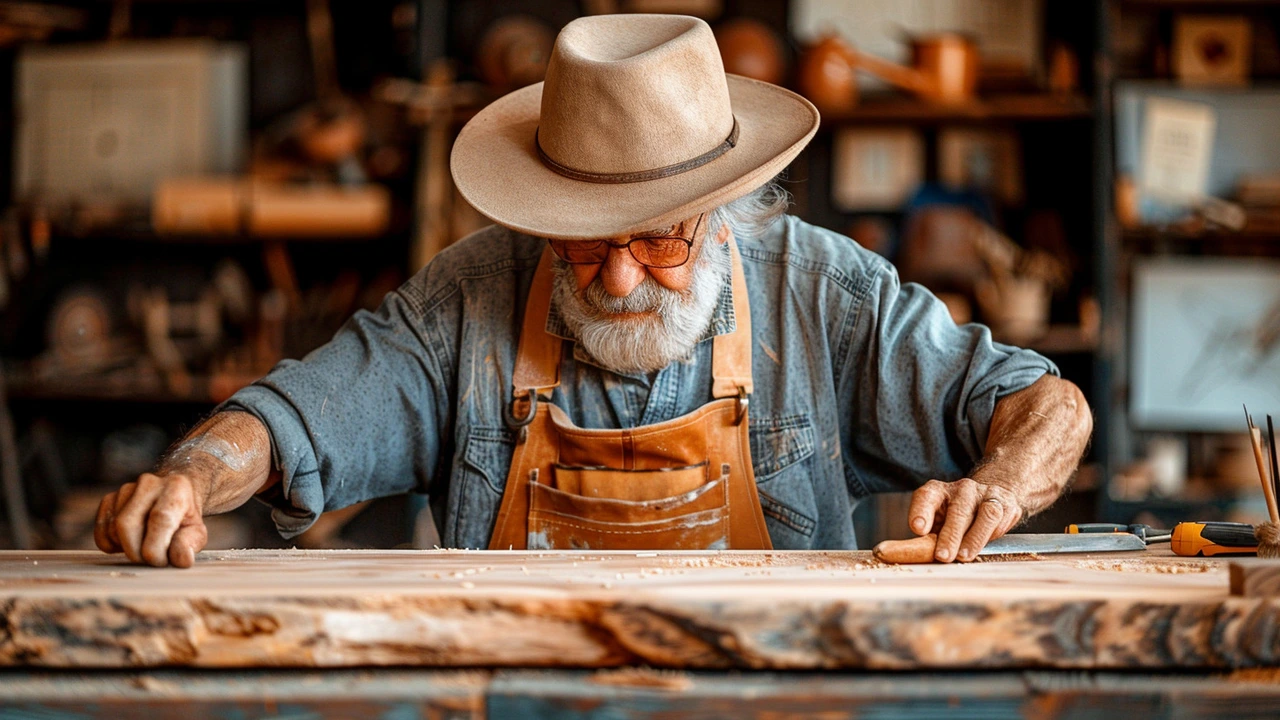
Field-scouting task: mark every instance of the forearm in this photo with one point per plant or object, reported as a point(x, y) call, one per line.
point(227, 458)
point(1037, 438)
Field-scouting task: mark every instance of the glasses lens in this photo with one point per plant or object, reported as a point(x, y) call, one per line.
point(661, 252)
point(577, 252)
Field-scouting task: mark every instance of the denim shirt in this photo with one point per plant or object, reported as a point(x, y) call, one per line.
point(862, 385)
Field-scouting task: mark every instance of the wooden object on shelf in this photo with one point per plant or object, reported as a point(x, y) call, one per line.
point(198, 206)
point(514, 51)
point(759, 610)
point(260, 208)
point(943, 71)
point(1212, 50)
point(1258, 189)
point(944, 68)
point(826, 76)
point(750, 48)
point(1064, 70)
point(79, 330)
point(279, 210)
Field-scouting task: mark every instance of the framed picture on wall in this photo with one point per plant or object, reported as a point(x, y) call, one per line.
point(875, 168)
point(1206, 338)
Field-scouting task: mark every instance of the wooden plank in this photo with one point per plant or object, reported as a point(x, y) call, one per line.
point(832, 696)
point(631, 694)
point(770, 610)
point(182, 695)
point(1255, 578)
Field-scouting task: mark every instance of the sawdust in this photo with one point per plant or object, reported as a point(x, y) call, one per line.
point(1010, 557)
point(1159, 567)
point(644, 677)
point(850, 560)
point(36, 581)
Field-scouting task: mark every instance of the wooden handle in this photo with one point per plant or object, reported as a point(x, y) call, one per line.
point(907, 552)
point(1268, 491)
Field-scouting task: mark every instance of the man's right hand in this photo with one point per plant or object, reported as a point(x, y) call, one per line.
point(159, 520)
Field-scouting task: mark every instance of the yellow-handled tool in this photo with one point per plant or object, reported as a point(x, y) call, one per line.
point(1212, 539)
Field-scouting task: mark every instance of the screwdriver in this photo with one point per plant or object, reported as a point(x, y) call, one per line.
point(1145, 532)
point(1210, 539)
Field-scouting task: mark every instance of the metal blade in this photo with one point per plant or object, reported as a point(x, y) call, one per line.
point(1063, 543)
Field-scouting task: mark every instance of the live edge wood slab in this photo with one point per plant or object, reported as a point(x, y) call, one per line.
point(758, 610)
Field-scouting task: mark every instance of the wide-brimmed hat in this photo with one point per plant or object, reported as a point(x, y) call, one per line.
point(636, 127)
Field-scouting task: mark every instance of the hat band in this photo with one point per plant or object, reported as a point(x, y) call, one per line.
point(641, 175)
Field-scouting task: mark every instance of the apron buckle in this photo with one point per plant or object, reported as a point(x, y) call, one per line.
point(521, 424)
point(744, 400)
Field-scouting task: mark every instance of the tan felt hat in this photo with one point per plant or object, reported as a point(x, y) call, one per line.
point(636, 127)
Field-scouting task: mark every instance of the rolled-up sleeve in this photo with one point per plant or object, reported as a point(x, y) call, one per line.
point(356, 419)
point(924, 389)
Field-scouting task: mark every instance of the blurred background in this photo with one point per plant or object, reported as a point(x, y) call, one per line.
point(194, 190)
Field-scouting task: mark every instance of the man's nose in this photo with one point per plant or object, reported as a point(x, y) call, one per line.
point(621, 273)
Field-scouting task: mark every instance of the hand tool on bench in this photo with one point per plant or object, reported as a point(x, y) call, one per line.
point(1146, 533)
point(921, 549)
point(1212, 539)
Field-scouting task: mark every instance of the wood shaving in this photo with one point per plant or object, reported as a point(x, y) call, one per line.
point(1169, 567)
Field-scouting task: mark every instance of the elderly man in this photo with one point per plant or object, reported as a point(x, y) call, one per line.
point(644, 352)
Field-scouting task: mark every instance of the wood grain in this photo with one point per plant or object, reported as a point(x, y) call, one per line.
point(1255, 578)
point(761, 610)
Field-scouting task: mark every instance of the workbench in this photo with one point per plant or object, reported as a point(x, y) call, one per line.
point(636, 634)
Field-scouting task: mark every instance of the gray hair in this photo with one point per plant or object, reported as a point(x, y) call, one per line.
point(752, 214)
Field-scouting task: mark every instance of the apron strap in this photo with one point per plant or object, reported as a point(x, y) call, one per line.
point(538, 359)
point(731, 352)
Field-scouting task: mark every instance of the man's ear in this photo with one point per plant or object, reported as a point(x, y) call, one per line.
point(722, 235)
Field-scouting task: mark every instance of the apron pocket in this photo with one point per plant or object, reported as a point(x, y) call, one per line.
point(696, 520)
point(633, 485)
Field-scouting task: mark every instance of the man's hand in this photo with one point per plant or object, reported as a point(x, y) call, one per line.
point(158, 520)
point(965, 514)
point(1034, 445)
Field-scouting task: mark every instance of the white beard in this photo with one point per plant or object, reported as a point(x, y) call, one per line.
point(673, 324)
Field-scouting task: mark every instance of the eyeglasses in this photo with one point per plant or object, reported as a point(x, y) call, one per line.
point(655, 251)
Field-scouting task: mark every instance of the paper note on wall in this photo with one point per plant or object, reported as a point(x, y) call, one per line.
point(1177, 145)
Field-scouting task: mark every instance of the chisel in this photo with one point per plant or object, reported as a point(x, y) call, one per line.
point(921, 549)
point(1145, 532)
point(1211, 539)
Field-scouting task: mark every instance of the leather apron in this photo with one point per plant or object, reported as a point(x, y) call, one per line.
point(683, 484)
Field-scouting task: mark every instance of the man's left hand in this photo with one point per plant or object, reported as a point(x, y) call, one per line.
point(966, 514)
